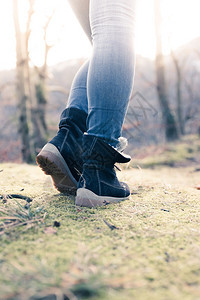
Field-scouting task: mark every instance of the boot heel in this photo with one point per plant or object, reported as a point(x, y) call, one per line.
point(52, 163)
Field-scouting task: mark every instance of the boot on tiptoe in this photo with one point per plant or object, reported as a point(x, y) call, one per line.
point(99, 184)
point(61, 157)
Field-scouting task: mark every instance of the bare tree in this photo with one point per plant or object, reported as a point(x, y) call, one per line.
point(41, 91)
point(191, 91)
point(36, 90)
point(179, 109)
point(31, 87)
point(21, 88)
point(171, 131)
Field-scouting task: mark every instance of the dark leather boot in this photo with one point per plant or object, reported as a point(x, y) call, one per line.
point(62, 156)
point(98, 184)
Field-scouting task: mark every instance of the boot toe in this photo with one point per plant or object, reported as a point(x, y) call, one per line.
point(126, 189)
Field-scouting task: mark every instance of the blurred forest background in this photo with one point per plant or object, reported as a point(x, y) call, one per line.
point(164, 106)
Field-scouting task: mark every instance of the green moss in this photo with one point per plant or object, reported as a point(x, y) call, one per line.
point(153, 252)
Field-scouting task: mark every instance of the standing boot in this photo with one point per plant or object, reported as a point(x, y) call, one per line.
point(98, 184)
point(61, 157)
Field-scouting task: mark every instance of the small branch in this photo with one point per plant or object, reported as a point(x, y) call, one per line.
point(17, 196)
point(112, 227)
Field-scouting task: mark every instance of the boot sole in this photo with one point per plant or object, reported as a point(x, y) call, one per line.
point(87, 198)
point(52, 163)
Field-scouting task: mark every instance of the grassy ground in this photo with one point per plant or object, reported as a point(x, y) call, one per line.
point(146, 247)
point(182, 153)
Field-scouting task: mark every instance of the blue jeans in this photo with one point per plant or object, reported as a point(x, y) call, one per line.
point(103, 85)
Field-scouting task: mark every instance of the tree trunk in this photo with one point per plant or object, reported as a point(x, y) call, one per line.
point(39, 111)
point(38, 127)
point(178, 94)
point(21, 89)
point(39, 114)
point(171, 132)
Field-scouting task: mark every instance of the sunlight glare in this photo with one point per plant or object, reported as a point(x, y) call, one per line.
point(181, 23)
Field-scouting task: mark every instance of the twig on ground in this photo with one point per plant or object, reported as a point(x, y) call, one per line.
point(112, 227)
point(16, 196)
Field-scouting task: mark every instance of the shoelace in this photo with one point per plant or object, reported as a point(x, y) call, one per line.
point(118, 168)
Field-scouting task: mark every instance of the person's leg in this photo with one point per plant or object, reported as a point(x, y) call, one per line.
point(81, 10)
point(111, 69)
point(110, 81)
point(78, 92)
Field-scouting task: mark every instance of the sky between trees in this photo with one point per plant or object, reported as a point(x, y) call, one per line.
point(181, 23)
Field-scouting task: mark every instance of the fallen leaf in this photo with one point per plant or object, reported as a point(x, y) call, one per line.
point(198, 187)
